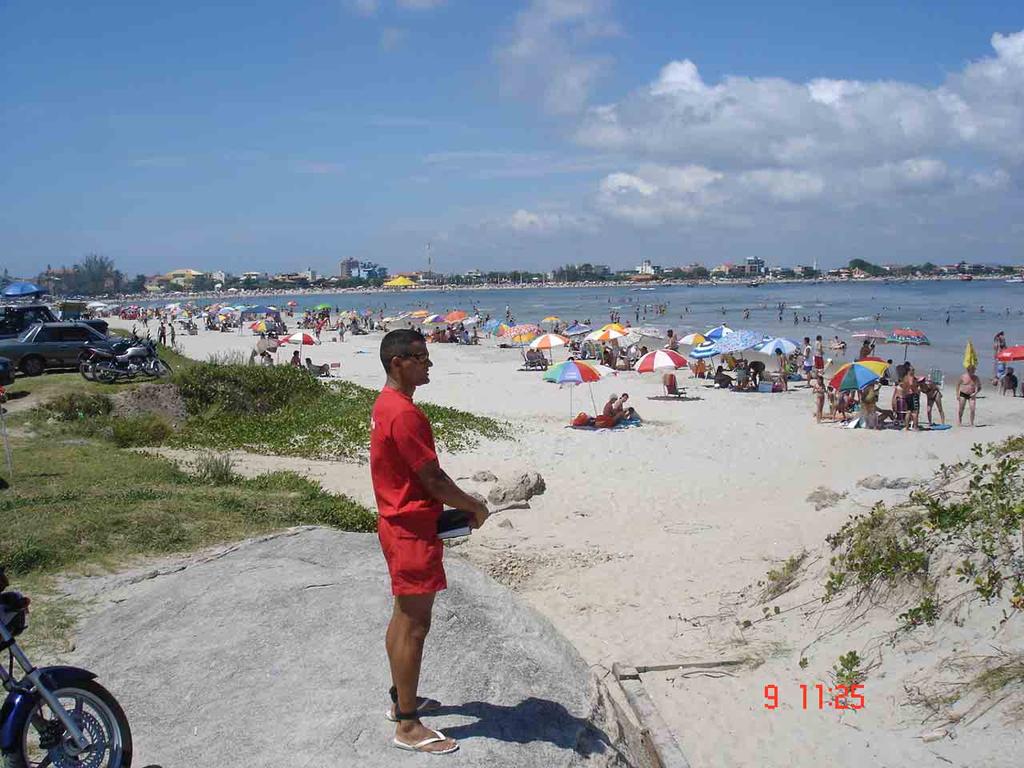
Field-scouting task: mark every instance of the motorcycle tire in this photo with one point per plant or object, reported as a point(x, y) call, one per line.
point(105, 374)
point(87, 370)
point(161, 369)
point(119, 753)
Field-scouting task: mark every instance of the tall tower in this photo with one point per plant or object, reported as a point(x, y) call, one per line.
point(430, 268)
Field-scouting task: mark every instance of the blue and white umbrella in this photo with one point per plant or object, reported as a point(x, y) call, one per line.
point(577, 329)
point(738, 341)
point(777, 344)
point(704, 350)
point(22, 289)
point(718, 332)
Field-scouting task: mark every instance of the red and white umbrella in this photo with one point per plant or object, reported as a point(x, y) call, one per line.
point(548, 341)
point(299, 337)
point(660, 360)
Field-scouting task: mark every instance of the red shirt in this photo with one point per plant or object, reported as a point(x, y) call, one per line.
point(401, 442)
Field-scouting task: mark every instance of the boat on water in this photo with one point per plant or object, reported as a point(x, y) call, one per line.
point(966, 277)
point(754, 284)
point(1015, 280)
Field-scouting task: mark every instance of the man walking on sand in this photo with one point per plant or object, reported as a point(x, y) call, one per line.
point(411, 488)
point(967, 388)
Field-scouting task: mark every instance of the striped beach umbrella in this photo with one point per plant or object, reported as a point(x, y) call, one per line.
point(572, 372)
point(260, 326)
point(299, 337)
point(693, 339)
point(857, 374)
point(548, 341)
point(606, 334)
point(704, 350)
point(660, 360)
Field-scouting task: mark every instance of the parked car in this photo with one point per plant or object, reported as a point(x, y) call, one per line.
point(15, 319)
point(45, 346)
point(6, 372)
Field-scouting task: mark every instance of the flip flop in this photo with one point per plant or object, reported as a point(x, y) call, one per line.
point(419, 745)
point(423, 706)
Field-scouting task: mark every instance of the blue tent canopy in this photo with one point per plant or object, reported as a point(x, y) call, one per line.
point(22, 289)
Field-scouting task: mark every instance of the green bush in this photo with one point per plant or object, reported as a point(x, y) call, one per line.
point(214, 469)
point(244, 389)
point(144, 429)
point(74, 406)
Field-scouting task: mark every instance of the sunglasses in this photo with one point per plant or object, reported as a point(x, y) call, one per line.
point(419, 357)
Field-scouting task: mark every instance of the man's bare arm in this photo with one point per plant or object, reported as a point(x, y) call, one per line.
point(441, 487)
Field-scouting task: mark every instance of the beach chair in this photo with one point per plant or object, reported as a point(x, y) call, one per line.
point(671, 386)
point(534, 360)
point(935, 376)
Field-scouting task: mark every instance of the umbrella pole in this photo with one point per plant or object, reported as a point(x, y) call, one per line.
point(570, 404)
point(592, 400)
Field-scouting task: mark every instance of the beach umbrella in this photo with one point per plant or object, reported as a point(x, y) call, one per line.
point(434, 320)
point(573, 372)
point(1008, 355)
point(400, 282)
point(971, 357)
point(260, 326)
point(606, 334)
point(650, 332)
point(693, 339)
point(548, 341)
point(95, 305)
point(15, 290)
point(718, 332)
point(577, 329)
point(471, 320)
point(704, 350)
point(906, 337)
point(738, 341)
point(456, 316)
point(419, 313)
point(322, 305)
point(856, 375)
point(551, 319)
point(618, 327)
point(777, 344)
point(521, 334)
point(872, 334)
point(660, 360)
point(299, 337)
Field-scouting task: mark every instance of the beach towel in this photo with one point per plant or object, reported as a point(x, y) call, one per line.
point(627, 424)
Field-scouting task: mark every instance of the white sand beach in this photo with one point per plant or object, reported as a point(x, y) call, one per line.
point(642, 547)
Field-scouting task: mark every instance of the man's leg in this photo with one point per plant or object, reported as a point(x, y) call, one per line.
point(407, 631)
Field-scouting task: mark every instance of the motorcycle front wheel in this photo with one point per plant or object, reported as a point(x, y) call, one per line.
point(160, 369)
point(97, 713)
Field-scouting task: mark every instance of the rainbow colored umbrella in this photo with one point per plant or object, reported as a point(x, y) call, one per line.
point(857, 374)
point(572, 372)
point(260, 326)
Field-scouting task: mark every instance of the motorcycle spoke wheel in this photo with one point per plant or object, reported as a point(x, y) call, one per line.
point(100, 718)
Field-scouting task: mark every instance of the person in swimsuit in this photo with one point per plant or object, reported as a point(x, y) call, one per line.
point(933, 395)
point(818, 385)
point(967, 388)
point(819, 354)
point(912, 397)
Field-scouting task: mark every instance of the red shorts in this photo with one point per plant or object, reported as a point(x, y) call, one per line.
point(413, 553)
point(819, 362)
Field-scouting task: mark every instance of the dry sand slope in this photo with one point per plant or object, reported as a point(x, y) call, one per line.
point(643, 545)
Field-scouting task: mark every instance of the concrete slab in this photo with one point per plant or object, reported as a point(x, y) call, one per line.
point(271, 653)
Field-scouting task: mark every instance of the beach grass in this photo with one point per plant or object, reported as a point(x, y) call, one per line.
point(74, 505)
point(283, 411)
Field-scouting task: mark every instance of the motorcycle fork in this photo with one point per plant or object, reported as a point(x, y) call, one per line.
point(33, 675)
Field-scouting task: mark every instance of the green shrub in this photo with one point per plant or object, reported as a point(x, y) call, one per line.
point(244, 389)
point(75, 406)
point(144, 429)
point(214, 469)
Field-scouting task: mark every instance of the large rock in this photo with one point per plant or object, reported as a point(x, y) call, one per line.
point(822, 497)
point(271, 653)
point(484, 476)
point(877, 482)
point(521, 488)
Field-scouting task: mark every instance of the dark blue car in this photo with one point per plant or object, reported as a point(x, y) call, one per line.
point(6, 372)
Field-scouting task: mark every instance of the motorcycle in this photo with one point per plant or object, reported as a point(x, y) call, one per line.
point(55, 716)
point(122, 360)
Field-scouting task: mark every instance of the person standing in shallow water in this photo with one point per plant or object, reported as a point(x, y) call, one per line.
point(411, 488)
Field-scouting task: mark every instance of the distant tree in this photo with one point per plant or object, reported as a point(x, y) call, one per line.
point(867, 267)
point(700, 273)
point(202, 282)
point(136, 285)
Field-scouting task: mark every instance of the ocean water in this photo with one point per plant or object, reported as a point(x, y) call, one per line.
point(976, 310)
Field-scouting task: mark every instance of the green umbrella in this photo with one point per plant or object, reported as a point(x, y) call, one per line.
point(322, 306)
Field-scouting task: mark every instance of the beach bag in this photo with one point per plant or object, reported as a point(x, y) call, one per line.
point(582, 420)
point(604, 422)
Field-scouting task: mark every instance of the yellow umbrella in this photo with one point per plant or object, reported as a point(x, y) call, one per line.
point(551, 319)
point(419, 313)
point(970, 356)
point(400, 282)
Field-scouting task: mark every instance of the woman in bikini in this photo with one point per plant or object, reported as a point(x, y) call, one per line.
point(967, 388)
point(818, 385)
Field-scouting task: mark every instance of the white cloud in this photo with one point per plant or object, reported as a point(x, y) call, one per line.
point(773, 121)
point(547, 222)
point(785, 186)
point(362, 7)
point(420, 5)
point(503, 164)
point(547, 54)
point(656, 194)
point(392, 37)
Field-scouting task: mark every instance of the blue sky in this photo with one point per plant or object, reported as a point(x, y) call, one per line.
point(267, 135)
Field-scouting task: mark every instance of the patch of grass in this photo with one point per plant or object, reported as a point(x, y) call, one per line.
point(284, 411)
point(140, 430)
point(77, 405)
point(927, 612)
point(847, 670)
point(780, 580)
point(994, 679)
point(214, 469)
point(74, 505)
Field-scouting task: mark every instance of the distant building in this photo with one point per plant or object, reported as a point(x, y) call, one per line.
point(647, 268)
point(182, 277)
point(754, 266)
point(349, 268)
point(219, 276)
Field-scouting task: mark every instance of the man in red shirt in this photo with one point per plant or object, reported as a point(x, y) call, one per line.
point(411, 489)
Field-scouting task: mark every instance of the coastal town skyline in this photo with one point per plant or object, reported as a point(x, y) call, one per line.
point(533, 133)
